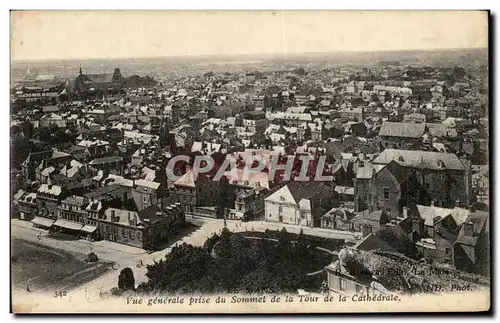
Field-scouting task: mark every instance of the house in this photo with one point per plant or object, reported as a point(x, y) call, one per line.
point(356, 128)
point(48, 198)
point(345, 280)
point(414, 118)
point(148, 193)
point(355, 114)
point(255, 121)
point(144, 229)
point(94, 148)
point(369, 222)
point(345, 193)
point(27, 206)
point(111, 164)
point(388, 188)
point(296, 203)
point(436, 229)
point(400, 134)
point(355, 87)
point(71, 217)
point(33, 161)
point(193, 191)
point(338, 218)
point(443, 177)
point(248, 205)
point(471, 249)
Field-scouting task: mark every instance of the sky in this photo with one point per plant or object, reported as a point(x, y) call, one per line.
point(39, 35)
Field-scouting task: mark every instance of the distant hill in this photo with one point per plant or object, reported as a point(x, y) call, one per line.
point(159, 66)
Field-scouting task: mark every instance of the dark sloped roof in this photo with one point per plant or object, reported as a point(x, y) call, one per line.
point(111, 159)
point(400, 173)
point(99, 78)
point(305, 190)
point(373, 242)
point(373, 216)
point(480, 224)
point(334, 149)
point(149, 213)
point(254, 115)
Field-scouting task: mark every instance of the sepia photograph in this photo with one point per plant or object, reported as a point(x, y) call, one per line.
point(179, 162)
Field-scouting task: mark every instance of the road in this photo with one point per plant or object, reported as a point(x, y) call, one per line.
point(137, 259)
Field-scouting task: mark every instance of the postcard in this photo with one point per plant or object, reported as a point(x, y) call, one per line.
point(249, 162)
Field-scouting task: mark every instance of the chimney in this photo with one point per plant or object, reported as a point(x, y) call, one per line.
point(457, 203)
point(405, 212)
point(432, 203)
point(436, 223)
point(468, 229)
point(472, 208)
point(417, 224)
point(129, 217)
point(366, 229)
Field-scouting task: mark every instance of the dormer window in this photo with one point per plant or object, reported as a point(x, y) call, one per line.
point(440, 164)
point(282, 198)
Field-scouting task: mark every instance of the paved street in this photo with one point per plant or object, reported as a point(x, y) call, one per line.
point(126, 256)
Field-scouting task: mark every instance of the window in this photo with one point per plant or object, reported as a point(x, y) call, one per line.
point(386, 193)
point(448, 251)
point(280, 209)
point(342, 284)
point(359, 289)
point(365, 198)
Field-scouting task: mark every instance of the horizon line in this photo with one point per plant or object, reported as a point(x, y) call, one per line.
point(37, 60)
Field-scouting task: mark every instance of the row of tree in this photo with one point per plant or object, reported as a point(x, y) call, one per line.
point(237, 264)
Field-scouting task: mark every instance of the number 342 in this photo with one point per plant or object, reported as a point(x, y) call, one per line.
point(60, 294)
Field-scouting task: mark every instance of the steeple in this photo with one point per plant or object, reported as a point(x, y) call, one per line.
point(80, 71)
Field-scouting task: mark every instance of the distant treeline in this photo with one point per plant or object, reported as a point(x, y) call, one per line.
point(137, 81)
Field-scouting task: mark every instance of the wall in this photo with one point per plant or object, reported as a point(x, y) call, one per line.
point(272, 213)
point(384, 179)
point(121, 234)
point(351, 287)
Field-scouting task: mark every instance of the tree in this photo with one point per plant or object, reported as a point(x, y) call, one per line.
point(44, 134)
point(457, 73)
point(126, 280)
point(299, 71)
point(224, 247)
point(398, 240)
point(27, 129)
point(301, 246)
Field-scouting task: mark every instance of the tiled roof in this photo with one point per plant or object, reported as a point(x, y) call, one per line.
point(421, 159)
point(402, 129)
